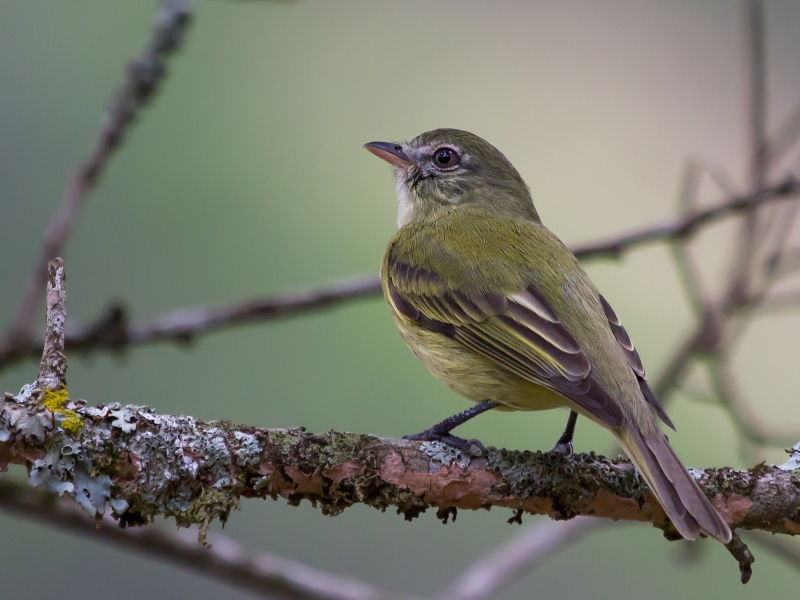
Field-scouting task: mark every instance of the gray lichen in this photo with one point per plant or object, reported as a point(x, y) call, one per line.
point(442, 454)
point(794, 459)
point(142, 464)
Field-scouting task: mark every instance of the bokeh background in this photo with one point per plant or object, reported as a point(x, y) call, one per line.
point(247, 177)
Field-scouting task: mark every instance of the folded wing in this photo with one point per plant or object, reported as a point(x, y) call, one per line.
point(519, 331)
point(634, 361)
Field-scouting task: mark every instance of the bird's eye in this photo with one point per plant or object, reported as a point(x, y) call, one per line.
point(446, 158)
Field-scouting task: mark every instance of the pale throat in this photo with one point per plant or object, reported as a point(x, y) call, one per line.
point(405, 200)
point(410, 207)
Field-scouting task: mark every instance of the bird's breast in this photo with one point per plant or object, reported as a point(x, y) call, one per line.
point(472, 375)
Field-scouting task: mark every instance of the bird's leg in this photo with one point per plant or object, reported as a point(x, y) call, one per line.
point(564, 444)
point(441, 431)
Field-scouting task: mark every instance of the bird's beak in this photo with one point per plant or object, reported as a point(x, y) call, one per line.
point(391, 153)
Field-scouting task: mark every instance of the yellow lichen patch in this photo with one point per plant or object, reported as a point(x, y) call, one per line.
point(56, 400)
point(56, 403)
point(72, 422)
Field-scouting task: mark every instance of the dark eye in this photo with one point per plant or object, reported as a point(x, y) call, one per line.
point(446, 158)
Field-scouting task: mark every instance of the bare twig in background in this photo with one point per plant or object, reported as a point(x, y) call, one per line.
point(265, 574)
point(184, 325)
point(765, 233)
point(711, 339)
point(142, 80)
point(112, 332)
point(516, 556)
point(784, 549)
point(689, 225)
point(688, 272)
point(757, 143)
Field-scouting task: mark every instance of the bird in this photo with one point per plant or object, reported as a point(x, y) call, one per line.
point(500, 310)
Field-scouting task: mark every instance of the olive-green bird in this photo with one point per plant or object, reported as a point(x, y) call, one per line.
point(502, 312)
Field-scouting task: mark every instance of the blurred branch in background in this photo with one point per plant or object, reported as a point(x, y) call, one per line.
point(786, 550)
point(265, 574)
point(517, 556)
point(762, 259)
point(144, 465)
point(113, 332)
point(142, 80)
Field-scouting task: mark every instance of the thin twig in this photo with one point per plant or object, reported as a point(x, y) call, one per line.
point(686, 227)
point(746, 423)
point(517, 556)
point(53, 366)
point(681, 254)
point(142, 80)
point(757, 145)
point(784, 549)
point(267, 575)
point(112, 331)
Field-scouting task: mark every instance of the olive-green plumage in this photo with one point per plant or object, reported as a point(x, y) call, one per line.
point(499, 309)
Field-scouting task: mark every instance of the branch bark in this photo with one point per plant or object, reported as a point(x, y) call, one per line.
point(143, 465)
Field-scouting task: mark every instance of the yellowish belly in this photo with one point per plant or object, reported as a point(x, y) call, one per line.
point(473, 376)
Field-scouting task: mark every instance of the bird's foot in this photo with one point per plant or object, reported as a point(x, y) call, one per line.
point(564, 444)
point(563, 448)
point(470, 447)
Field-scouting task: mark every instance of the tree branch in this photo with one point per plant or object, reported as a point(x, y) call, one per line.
point(265, 574)
point(112, 331)
point(515, 557)
point(142, 80)
point(144, 465)
point(686, 227)
point(782, 548)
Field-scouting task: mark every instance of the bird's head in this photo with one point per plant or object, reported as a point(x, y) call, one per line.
point(448, 169)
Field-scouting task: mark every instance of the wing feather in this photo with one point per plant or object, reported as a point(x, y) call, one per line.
point(520, 332)
point(634, 361)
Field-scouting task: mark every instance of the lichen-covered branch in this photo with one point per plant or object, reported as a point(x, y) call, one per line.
point(143, 464)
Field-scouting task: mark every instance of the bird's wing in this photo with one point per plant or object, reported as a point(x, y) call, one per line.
point(520, 331)
point(634, 361)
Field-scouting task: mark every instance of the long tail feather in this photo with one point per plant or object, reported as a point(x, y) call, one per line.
point(680, 496)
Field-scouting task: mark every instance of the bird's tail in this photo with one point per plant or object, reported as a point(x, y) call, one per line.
point(676, 490)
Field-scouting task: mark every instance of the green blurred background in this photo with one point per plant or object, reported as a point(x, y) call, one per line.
point(247, 177)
